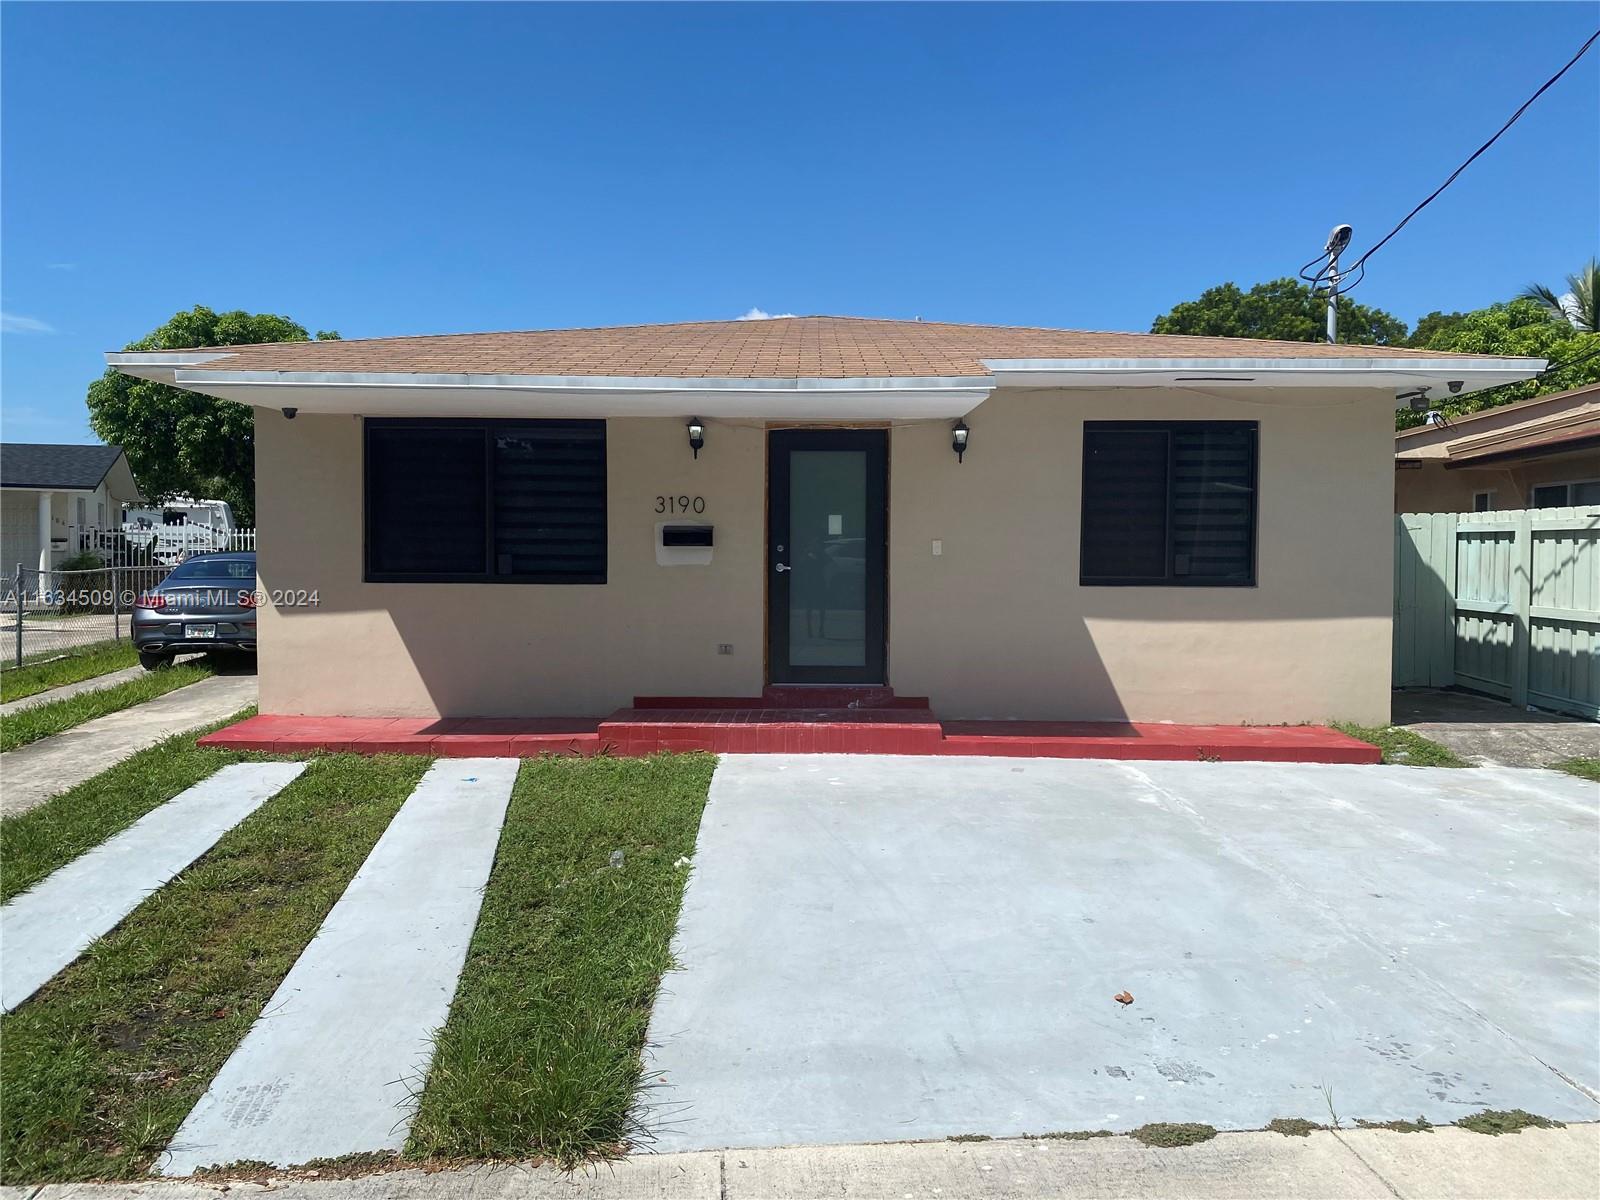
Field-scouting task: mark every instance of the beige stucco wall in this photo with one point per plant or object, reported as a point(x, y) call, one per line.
point(996, 626)
point(1429, 487)
point(509, 649)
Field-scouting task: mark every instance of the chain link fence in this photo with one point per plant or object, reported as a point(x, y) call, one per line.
point(52, 614)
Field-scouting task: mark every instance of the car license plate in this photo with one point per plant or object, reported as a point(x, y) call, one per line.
point(199, 631)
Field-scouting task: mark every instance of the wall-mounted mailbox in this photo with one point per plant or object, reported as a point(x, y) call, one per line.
point(683, 544)
point(686, 535)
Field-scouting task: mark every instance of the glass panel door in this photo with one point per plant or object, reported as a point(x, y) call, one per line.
point(826, 555)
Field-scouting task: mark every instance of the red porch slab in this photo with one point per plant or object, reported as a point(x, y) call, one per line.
point(1129, 740)
point(773, 730)
point(455, 737)
point(758, 730)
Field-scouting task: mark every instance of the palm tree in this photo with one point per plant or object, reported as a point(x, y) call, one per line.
point(1580, 306)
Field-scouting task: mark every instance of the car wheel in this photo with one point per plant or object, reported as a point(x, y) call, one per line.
point(154, 660)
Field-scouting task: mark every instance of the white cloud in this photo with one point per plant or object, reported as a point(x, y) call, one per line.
point(757, 314)
point(17, 323)
point(61, 266)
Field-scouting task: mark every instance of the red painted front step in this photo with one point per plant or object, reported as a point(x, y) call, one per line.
point(731, 729)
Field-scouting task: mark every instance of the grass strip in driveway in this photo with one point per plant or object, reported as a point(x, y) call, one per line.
point(1401, 747)
point(17, 683)
point(540, 1056)
point(32, 724)
point(1583, 768)
point(102, 1064)
point(46, 838)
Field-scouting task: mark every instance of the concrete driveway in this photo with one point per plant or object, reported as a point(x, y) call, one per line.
point(878, 948)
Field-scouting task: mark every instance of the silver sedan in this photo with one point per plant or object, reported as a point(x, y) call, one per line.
point(205, 604)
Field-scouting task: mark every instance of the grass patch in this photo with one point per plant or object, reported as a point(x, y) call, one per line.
point(31, 724)
point(1420, 1125)
point(969, 1137)
point(1583, 768)
point(17, 683)
point(1293, 1126)
point(1494, 1122)
point(1168, 1133)
point(1070, 1135)
point(50, 836)
point(1402, 747)
point(100, 1067)
point(540, 1055)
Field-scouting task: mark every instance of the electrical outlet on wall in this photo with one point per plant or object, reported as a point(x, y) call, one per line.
point(724, 647)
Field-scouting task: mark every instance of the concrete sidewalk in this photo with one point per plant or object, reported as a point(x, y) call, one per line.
point(49, 767)
point(1551, 1164)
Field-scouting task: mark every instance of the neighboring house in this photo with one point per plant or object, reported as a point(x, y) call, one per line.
point(51, 496)
point(1539, 453)
point(1013, 522)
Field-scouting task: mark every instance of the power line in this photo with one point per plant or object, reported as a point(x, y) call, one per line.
point(1543, 88)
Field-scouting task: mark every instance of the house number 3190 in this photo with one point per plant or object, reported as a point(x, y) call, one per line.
point(680, 504)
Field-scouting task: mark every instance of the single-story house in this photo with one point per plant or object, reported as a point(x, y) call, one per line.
point(54, 495)
point(1011, 522)
point(1539, 453)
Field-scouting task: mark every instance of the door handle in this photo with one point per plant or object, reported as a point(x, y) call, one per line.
point(781, 567)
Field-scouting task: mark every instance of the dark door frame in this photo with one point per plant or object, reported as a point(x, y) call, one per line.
point(780, 442)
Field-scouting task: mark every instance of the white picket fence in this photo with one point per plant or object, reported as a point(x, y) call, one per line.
point(167, 543)
point(1506, 603)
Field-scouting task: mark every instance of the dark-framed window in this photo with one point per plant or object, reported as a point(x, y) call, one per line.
point(1169, 504)
point(484, 501)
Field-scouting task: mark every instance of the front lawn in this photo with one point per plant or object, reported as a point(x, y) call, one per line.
point(101, 1065)
point(30, 679)
point(57, 716)
point(1401, 746)
point(540, 1055)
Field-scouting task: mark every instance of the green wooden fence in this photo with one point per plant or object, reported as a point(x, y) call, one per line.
point(1506, 603)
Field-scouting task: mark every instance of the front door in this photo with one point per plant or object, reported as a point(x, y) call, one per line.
point(827, 525)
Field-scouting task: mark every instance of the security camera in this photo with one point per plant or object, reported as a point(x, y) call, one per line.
point(1455, 386)
point(1338, 239)
point(288, 413)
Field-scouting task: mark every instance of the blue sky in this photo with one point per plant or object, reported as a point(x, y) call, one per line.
point(384, 169)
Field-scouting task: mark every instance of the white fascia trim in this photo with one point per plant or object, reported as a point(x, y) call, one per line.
point(1401, 376)
point(1259, 366)
point(163, 358)
point(575, 383)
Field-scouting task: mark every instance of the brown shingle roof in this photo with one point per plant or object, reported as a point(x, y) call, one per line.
point(782, 347)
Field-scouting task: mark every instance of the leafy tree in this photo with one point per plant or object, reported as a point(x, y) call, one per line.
point(1434, 325)
point(1283, 310)
point(1579, 306)
point(183, 443)
point(1521, 327)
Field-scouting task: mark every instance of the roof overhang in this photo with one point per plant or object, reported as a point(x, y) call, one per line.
point(1441, 378)
point(1530, 449)
point(412, 394)
point(870, 398)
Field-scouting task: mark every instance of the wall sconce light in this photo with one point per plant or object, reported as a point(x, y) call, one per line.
point(697, 435)
point(958, 439)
